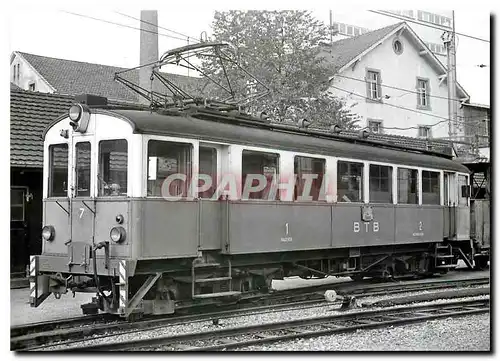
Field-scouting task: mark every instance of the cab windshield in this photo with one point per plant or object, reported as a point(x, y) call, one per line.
point(112, 171)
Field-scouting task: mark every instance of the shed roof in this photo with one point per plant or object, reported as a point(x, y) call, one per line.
point(30, 113)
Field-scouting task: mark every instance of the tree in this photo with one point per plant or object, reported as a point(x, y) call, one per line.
point(282, 49)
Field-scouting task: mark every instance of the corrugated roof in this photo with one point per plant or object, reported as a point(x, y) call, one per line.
point(30, 113)
point(76, 77)
point(341, 52)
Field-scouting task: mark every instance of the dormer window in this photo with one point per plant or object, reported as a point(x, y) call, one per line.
point(32, 86)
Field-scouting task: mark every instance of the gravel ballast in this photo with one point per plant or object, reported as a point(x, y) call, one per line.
point(468, 333)
point(261, 318)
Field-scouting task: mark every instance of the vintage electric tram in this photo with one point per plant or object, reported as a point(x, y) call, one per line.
point(127, 217)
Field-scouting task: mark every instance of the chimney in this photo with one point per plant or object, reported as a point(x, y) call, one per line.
point(149, 48)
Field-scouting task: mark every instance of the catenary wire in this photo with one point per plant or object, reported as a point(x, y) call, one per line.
point(159, 27)
point(122, 25)
point(428, 25)
point(399, 107)
point(394, 87)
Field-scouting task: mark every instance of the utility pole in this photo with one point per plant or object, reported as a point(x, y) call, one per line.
point(451, 79)
point(331, 28)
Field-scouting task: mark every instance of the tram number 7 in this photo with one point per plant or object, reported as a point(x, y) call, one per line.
point(82, 210)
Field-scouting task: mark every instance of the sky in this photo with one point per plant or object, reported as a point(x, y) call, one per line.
point(58, 30)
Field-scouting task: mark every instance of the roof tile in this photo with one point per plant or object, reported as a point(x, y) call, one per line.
point(341, 52)
point(76, 77)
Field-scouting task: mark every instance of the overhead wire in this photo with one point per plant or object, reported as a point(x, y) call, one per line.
point(399, 107)
point(158, 26)
point(404, 18)
point(344, 90)
point(394, 87)
point(122, 25)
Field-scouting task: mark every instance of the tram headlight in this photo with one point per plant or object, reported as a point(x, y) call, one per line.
point(117, 234)
point(79, 116)
point(75, 112)
point(48, 233)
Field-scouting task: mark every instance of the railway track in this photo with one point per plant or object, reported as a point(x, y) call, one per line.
point(78, 329)
point(238, 337)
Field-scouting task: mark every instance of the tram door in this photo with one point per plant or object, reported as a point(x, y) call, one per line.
point(450, 193)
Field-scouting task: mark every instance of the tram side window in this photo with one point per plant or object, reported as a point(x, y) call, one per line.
point(58, 170)
point(169, 159)
point(306, 168)
point(82, 169)
point(255, 164)
point(207, 170)
point(430, 187)
point(407, 186)
point(349, 182)
point(462, 181)
point(380, 184)
point(113, 162)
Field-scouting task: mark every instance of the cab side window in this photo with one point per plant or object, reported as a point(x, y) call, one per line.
point(169, 159)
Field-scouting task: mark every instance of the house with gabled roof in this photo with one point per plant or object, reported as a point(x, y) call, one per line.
point(393, 82)
point(70, 77)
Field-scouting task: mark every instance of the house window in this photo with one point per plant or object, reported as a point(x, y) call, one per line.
point(342, 29)
point(257, 165)
point(407, 186)
point(309, 173)
point(32, 87)
point(356, 31)
point(349, 30)
point(430, 187)
point(423, 94)
point(397, 46)
point(424, 131)
point(380, 184)
point(375, 126)
point(373, 84)
point(349, 182)
point(420, 15)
